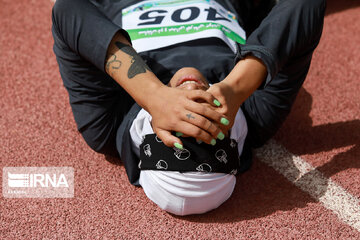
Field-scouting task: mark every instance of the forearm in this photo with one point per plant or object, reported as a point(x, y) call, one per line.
point(247, 75)
point(128, 69)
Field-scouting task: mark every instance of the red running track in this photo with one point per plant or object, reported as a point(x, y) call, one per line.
point(37, 129)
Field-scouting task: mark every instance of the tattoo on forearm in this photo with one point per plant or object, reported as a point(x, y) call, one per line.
point(137, 63)
point(112, 64)
point(189, 116)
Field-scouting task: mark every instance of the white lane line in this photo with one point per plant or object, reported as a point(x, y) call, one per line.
point(312, 181)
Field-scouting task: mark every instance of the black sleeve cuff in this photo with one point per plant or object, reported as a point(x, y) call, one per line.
point(84, 29)
point(98, 53)
point(262, 53)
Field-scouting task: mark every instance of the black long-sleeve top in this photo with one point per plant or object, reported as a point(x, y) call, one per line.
point(284, 41)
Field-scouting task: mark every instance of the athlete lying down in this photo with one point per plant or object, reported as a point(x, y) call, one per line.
point(117, 57)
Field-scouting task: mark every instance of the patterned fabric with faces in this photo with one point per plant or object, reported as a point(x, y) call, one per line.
point(194, 157)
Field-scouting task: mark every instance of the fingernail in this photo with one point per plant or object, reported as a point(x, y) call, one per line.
point(198, 141)
point(220, 136)
point(213, 142)
point(179, 134)
point(217, 103)
point(178, 145)
point(224, 121)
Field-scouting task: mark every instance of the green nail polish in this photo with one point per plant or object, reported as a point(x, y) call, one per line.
point(224, 121)
point(178, 145)
point(217, 103)
point(220, 136)
point(179, 134)
point(213, 142)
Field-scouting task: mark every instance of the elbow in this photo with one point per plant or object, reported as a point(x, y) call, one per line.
point(59, 9)
point(63, 12)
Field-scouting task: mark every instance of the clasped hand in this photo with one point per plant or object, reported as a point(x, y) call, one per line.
point(193, 113)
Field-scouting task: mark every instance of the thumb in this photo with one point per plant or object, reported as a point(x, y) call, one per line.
point(168, 139)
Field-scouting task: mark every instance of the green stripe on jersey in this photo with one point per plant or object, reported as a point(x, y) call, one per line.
point(182, 29)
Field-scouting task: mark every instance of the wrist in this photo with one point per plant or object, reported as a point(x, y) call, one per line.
point(153, 96)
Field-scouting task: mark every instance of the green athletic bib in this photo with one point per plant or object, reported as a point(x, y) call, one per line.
point(156, 24)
